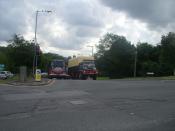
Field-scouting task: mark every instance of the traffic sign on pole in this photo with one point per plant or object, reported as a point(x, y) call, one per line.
point(2, 66)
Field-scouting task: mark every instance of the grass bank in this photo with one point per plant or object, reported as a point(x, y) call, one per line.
point(16, 77)
point(141, 78)
point(103, 78)
point(152, 78)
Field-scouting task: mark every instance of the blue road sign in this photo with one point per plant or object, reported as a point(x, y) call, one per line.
point(2, 66)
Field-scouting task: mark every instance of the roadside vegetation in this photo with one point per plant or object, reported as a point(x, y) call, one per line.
point(151, 78)
point(20, 52)
point(14, 78)
point(141, 78)
point(115, 57)
point(103, 78)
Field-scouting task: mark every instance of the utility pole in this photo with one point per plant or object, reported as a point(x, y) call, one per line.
point(135, 63)
point(35, 60)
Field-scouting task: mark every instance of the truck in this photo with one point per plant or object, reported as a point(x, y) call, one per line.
point(82, 67)
point(57, 69)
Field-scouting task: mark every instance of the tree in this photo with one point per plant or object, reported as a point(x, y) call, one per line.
point(148, 59)
point(3, 55)
point(167, 51)
point(20, 53)
point(46, 58)
point(115, 56)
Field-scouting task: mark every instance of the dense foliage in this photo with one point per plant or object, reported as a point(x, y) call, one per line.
point(20, 52)
point(116, 56)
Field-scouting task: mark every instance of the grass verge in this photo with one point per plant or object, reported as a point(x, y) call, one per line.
point(141, 78)
point(103, 78)
point(16, 77)
point(153, 78)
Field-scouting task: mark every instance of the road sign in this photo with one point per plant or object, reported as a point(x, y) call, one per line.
point(2, 66)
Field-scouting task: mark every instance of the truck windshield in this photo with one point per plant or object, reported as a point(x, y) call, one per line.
point(57, 64)
point(88, 65)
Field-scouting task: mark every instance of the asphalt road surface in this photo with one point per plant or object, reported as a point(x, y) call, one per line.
point(73, 105)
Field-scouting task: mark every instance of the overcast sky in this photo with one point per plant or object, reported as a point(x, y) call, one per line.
point(74, 24)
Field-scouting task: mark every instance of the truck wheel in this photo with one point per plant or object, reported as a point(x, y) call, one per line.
point(80, 76)
point(50, 77)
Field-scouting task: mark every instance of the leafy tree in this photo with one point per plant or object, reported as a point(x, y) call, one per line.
point(147, 59)
point(20, 53)
point(3, 55)
point(115, 56)
point(167, 52)
point(145, 52)
point(46, 58)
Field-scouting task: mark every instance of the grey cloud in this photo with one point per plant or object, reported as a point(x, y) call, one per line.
point(71, 44)
point(13, 18)
point(80, 18)
point(79, 13)
point(87, 31)
point(67, 42)
point(157, 13)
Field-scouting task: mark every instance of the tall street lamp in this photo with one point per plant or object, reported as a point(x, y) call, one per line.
point(35, 60)
point(92, 49)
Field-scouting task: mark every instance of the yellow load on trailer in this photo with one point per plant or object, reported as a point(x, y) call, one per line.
point(76, 61)
point(82, 67)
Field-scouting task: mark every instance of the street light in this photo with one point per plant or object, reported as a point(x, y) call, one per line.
point(135, 63)
point(35, 60)
point(92, 49)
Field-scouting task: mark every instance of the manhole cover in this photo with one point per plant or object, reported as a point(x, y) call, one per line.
point(78, 102)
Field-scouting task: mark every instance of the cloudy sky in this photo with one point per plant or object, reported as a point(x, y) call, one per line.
point(74, 24)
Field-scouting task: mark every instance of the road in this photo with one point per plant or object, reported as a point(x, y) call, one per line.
point(73, 105)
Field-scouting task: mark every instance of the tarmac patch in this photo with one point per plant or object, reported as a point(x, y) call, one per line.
point(16, 116)
point(41, 95)
point(78, 102)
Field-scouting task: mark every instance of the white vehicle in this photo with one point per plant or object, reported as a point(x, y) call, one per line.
point(8, 73)
point(44, 74)
point(3, 75)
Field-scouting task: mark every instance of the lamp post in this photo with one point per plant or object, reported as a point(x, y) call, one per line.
point(135, 63)
point(35, 60)
point(92, 49)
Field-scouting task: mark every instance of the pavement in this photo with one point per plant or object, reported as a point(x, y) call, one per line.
point(31, 82)
point(87, 105)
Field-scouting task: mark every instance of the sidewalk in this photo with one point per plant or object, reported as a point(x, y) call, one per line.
point(31, 82)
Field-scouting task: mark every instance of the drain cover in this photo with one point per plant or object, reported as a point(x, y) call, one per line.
point(78, 102)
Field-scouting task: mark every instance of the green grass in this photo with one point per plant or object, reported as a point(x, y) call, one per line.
point(16, 77)
point(152, 78)
point(3, 81)
point(141, 78)
point(168, 77)
point(103, 78)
